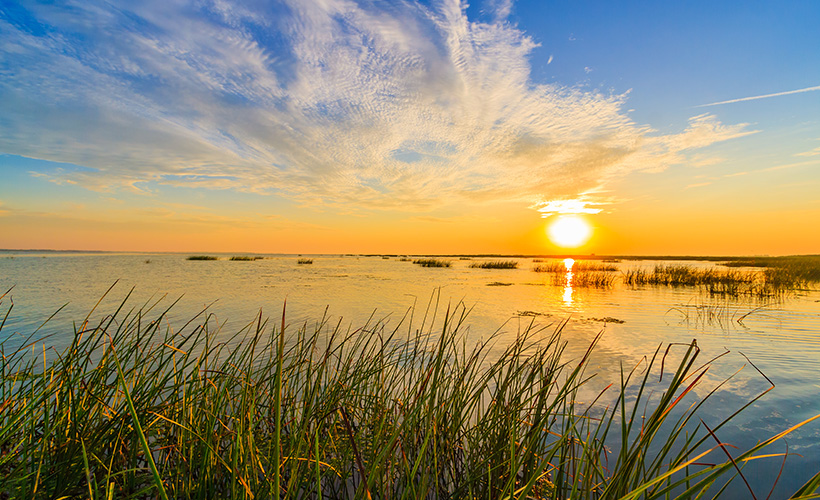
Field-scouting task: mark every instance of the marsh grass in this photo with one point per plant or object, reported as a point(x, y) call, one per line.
point(587, 279)
point(432, 262)
point(246, 258)
point(558, 266)
point(495, 264)
point(137, 408)
point(202, 257)
point(304, 261)
point(771, 283)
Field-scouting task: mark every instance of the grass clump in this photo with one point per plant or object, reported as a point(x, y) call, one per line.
point(304, 261)
point(138, 408)
point(246, 257)
point(550, 267)
point(495, 264)
point(202, 257)
point(432, 263)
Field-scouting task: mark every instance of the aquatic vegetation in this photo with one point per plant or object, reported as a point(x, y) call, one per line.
point(304, 261)
point(551, 267)
point(202, 257)
point(136, 407)
point(495, 264)
point(586, 279)
point(432, 262)
point(405, 259)
point(499, 283)
point(246, 258)
point(558, 266)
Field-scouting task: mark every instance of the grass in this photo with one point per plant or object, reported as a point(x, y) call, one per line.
point(432, 262)
point(137, 408)
point(202, 257)
point(495, 264)
point(246, 258)
point(586, 279)
point(304, 261)
point(768, 283)
point(558, 266)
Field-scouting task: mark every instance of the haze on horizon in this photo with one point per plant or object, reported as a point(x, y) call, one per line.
point(340, 126)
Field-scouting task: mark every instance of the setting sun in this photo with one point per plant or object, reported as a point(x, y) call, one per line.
point(569, 231)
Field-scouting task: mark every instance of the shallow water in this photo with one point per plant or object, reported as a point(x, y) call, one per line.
point(781, 338)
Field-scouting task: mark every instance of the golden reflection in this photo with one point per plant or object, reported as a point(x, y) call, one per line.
point(568, 263)
point(568, 286)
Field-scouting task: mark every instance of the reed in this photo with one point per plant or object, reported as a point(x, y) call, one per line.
point(550, 267)
point(245, 258)
point(304, 261)
point(433, 263)
point(495, 264)
point(137, 408)
point(585, 279)
point(202, 257)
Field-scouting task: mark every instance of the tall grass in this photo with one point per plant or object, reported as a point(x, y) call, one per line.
point(432, 263)
point(558, 266)
point(136, 408)
point(304, 261)
point(769, 283)
point(246, 257)
point(495, 264)
point(202, 257)
point(586, 279)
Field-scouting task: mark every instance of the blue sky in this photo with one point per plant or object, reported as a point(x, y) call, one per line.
point(321, 115)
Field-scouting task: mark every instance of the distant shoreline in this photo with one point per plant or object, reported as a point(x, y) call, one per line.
point(711, 258)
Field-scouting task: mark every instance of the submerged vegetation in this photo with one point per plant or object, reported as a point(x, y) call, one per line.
point(495, 264)
point(202, 257)
point(135, 408)
point(432, 262)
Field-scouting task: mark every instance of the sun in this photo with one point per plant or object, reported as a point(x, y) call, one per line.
point(569, 231)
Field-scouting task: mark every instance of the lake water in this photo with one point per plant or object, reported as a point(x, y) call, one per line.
point(781, 338)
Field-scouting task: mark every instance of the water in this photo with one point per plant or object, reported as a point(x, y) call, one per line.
point(781, 338)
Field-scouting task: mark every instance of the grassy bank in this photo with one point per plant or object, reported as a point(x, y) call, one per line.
point(138, 408)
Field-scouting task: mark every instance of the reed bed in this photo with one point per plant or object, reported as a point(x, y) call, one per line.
point(495, 264)
point(136, 408)
point(769, 283)
point(558, 266)
point(202, 257)
point(432, 263)
point(586, 279)
point(304, 261)
point(246, 257)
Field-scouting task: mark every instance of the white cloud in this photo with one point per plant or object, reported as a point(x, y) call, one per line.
point(332, 103)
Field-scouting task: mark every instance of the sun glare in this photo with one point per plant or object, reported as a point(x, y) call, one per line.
point(569, 231)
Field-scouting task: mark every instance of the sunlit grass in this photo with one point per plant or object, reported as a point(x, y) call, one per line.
point(304, 261)
point(433, 262)
point(558, 266)
point(495, 264)
point(137, 408)
point(202, 257)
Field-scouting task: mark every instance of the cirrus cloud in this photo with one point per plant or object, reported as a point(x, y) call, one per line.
point(331, 103)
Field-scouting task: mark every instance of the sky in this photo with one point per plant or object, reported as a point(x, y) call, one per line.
point(340, 126)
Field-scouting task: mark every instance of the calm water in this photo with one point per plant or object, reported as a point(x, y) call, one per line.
point(782, 339)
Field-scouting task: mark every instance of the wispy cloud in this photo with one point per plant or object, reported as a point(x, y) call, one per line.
point(765, 96)
point(566, 207)
point(331, 103)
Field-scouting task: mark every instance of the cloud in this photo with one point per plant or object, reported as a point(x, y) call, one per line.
point(765, 96)
point(331, 103)
point(566, 207)
point(813, 152)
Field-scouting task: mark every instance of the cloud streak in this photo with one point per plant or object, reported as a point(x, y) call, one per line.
point(330, 103)
point(765, 96)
